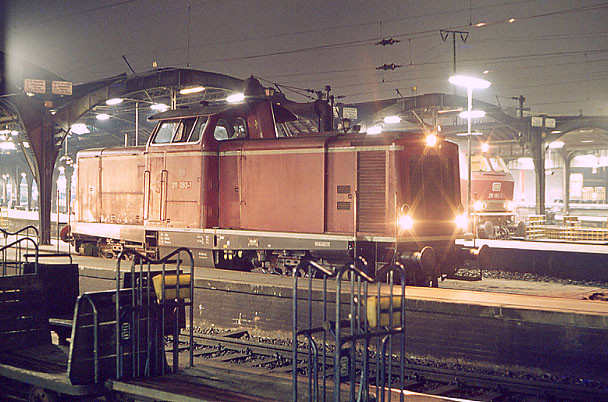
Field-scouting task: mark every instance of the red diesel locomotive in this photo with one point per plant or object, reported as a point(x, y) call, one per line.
point(235, 185)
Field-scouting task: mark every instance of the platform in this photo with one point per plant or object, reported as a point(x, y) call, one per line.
point(561, 335)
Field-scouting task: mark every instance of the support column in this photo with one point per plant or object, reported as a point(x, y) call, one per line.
point(538, 156)
point(29, 180)
point(567, 157)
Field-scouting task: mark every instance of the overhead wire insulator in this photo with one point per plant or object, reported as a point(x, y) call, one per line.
point(387, 42)
point(386, 67)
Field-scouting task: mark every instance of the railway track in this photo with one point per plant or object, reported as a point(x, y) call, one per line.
point(238, 348)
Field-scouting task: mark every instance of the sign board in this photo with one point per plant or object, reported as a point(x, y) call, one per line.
point(34, 86)
point(61, 87)
point(537, 121)
point(349, 113)
point(549, 122)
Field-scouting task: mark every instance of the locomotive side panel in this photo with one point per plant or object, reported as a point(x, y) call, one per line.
point(341, 187)
point(88, 188)
point(230, 187)
point(184, 175)
point(283, 189)
point(122, 188)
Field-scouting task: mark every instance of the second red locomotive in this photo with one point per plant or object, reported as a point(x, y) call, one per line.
point(238, 187)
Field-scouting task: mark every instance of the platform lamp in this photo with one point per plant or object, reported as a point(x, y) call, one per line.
point(469, 83)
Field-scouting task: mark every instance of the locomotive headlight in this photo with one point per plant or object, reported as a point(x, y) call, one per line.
point(461, 221)
point(479, 205)
point(406, 222)
point(431, 140)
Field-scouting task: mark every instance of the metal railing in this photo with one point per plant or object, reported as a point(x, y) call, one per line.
point(16, 266)
point(21, 248)
point(359, 343)
point(150, 307)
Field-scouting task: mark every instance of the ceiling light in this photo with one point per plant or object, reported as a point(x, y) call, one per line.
point(114, 101)
point(235, 98)
point(103, 116)
point(30, 93)
point(586, 141)
point(511, 20)
point(191, 90)
point(557, 144)
point(469, 82)
point(7, 146)
point(159, 107)
point(473, 114)
point(486, 71)
point(556, 132)
point(392, 119)
point(481, 24)
point(79, 128)
point(373, 130)
point(466, 134)
point(485, 147)
point(26, 144)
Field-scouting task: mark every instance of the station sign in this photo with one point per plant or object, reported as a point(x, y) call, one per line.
point(549, 122)
point(34, 86)
point(540, 121)
point(349, 113)
point(61, 87)
point(536, 121)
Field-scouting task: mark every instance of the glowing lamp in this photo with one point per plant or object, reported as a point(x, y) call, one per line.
point(392, 119)
point(102, 116)
point(461, 221)
point(191, 90)
point(431, 140)
point(374, 130)
point(114, 101)
point(485, 147)
point(159, 107)
point(406, 222)
point(473, 114)
point(79, 128)
point(469, 82)
point(235, 98)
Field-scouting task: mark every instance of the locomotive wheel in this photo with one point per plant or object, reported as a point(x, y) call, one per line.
point(41, 395)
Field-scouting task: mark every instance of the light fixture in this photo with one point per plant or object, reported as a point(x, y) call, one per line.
point(102, 116)
point(469, 82)
point(556, 132)
point(511, 20)
point(7, 146)
point(586, 141)
point(392, 119)
point(473, 114)
point(466, 134)
point(406, 222)
point(159, 107)
point(113, 101)
point(30, 93)
point(191, 90)
point(557, 144)
point(26, 144)
point(485, 147)
point(431, 140)
point(235, 98)
point(485, 71)
point(373, 130)
point(79, 128)
point(461, 221)
point(481, 24)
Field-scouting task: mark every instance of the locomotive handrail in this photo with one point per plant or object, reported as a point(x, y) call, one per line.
point(18, 261)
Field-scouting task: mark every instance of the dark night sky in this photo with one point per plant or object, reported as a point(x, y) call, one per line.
point(555, 53)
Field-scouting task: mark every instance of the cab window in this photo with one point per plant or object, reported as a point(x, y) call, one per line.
point(186, 130)
point(165, 132)
point(230, 129)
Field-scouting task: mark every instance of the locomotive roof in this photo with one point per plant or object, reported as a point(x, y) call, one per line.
point(198, 110)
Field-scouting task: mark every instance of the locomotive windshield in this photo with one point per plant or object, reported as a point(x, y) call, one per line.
point(180, 131)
